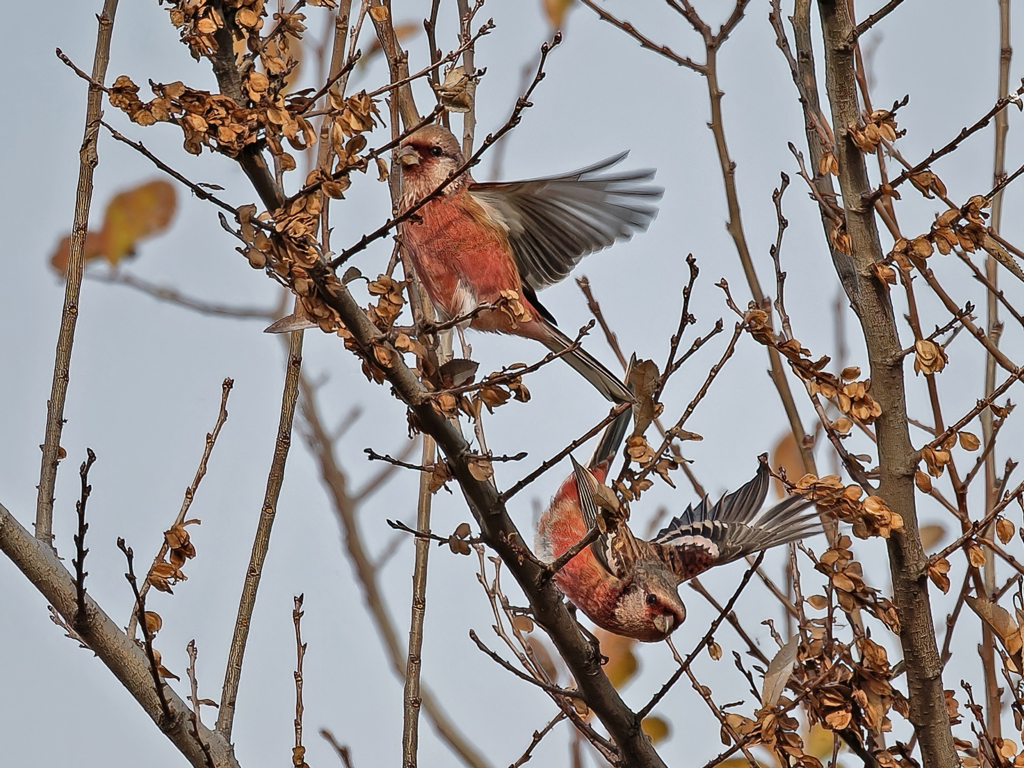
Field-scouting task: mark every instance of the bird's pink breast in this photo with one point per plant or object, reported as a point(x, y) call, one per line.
point(463, 262)
point(583, 579)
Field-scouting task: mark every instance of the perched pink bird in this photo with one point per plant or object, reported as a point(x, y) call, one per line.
point(475, 241)
point(630, 586)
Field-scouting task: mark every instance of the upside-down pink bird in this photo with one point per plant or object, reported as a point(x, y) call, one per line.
point(630, 586)
point(474, 241)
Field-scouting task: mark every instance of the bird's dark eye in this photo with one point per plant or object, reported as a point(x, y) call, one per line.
point(651, 599)
point(436, 151)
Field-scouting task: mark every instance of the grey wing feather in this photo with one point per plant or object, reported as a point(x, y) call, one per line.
point(736, 526)
point(554, 222)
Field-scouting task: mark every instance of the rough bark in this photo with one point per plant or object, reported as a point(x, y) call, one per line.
point(897, 458)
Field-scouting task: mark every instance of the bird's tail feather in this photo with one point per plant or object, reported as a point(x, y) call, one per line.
point(603, 380)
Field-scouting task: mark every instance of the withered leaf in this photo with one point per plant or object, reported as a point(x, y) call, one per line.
point(817, 602)
point(522, 623)
point(975, 555)
point(439, 475)
point(779, 669)
point(132, 215)
point(937, 573)
point(932, 534)
point(1004, 530)
point(643, 378)
point(1000, 621)
point(457, 91)
point(458, 372)
point(969, 441)
point(153, 622)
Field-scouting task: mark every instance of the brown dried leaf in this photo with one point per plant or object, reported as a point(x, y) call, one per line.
point(969, 441)
point(930, 358)
point(937, 573)
point(153, 622)
point(522, 623)
point(643, 378)
point(817, 602)
point(457, 91)
point(975, 555)
point(932, 535)
point(1004, 530)
point(439, 475)
point(1000, 621)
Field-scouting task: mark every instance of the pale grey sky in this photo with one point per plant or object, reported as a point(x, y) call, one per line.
point(146, 376)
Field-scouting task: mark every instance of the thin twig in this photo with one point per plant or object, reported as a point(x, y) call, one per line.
point(80, 550)
point(549, 463)
point(173, 296)
point(340, 749)
point(194, 717)
point(299, 751)
point(261, 541)
point(548, 687)
point(190, 492)
point(977, 525)
point(537, 737)
point(197, 190)
point(873, 19)
point(147, 636)
point(89, 158)
point(667, 685)
point(413, 661)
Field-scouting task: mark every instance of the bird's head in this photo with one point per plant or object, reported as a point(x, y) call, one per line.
point(428, 157)
point(649, 607)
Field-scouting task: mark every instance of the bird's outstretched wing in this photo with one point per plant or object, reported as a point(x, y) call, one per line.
point(554, 222)
point(706, 535)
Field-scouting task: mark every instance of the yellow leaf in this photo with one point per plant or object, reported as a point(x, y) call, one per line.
point(787, 454)
point(555, 10)
point(134, 215)
point(656, 728)
point(622, 663)
point(131, 216)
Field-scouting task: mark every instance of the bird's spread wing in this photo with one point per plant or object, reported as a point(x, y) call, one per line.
point(707, 535)
point(552, 223)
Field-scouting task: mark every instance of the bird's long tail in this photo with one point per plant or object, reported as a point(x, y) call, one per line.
point(738, 526)
point(603, 380)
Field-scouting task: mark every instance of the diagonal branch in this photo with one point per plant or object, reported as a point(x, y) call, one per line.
point(497, 529)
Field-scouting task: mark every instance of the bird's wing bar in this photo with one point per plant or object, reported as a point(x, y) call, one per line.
point(554, 222)
point(740, 506)
point(732, 528)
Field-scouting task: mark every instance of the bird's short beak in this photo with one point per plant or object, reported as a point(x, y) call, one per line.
point(407, 156)
point(664, 623)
